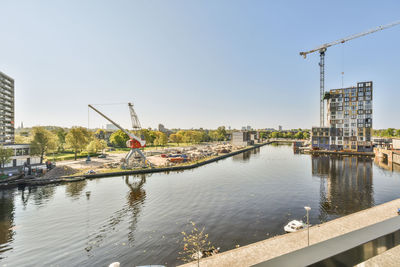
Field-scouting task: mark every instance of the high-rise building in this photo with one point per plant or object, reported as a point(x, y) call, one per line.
point(349, 120)
point(6, 109)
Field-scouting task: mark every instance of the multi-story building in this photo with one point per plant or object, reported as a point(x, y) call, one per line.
point(6, 109)
point(349, 120)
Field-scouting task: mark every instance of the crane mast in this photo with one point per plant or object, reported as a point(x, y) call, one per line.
point(322, 49)
point(135, 143)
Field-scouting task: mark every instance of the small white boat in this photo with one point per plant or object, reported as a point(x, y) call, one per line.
point(294, 226)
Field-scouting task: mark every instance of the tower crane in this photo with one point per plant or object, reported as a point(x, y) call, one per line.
point(134, 142)
point(322, 49)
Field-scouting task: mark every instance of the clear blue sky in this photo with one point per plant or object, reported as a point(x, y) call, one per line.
point(194, 63)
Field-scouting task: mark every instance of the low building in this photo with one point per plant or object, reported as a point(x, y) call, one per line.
point(21, 155)
point(396, 143)
point(242, 138)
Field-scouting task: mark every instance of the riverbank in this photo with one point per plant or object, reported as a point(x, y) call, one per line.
point(33, 181)
point(279, 245)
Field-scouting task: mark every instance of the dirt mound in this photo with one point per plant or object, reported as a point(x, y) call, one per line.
point(59, 171)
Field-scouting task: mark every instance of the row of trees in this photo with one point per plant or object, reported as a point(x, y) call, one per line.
point(290, 135)
point(76, 139)
point(390, 132)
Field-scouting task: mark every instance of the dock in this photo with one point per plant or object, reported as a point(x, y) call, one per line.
point(276, 246)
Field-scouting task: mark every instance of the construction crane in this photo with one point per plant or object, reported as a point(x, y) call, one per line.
point(134, 142)
point(322, 49)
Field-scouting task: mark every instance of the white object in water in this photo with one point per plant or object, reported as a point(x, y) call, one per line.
point(294, 226)
point(114, 264)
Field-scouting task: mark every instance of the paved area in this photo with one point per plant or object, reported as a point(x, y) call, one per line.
point(279, 245)
point(388, 258)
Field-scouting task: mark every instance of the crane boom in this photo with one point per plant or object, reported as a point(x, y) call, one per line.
point(322, 49)
point(131, 135)
point(351, 37)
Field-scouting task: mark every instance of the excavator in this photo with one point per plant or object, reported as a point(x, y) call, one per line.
point(134, 142)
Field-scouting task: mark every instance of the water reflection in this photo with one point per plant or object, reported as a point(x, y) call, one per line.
point(39, 195)
point(384, 164)
point(135, 199)
point(74, 189)
point(6, 220)
point(345, 184)
point(245, 156)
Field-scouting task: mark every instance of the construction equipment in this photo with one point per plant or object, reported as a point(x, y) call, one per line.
point(322, 49)
point(134, 142)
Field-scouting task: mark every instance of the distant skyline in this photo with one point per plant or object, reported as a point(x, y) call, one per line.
point(192, 64)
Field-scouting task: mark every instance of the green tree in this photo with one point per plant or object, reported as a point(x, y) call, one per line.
point(60, 133)
point(96, 145)
point(148, 135)
point(43, 141)
point(5, 156)
point(221, 133)
point(299, 135)
point(20, 139)
point(263, 135)
point(161, 139)
point(175, 138)
point(100, 134)
point(119, 138)
point(77, 139)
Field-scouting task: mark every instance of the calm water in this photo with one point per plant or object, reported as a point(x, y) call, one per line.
point(138, 220)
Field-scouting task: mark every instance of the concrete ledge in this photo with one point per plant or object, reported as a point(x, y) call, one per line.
point(270, 248)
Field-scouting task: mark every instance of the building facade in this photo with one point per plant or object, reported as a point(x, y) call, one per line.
point(6, 109)
point(349, 120)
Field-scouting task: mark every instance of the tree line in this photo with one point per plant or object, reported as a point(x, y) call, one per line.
point(79, 139)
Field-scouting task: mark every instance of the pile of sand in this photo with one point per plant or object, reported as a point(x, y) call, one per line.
point(59, 171)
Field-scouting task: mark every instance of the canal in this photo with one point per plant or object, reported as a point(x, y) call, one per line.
point(138, 220)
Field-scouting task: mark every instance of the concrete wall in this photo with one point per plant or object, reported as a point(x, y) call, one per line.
point(396, 143)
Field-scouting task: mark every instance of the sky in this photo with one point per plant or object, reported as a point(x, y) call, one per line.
point(191, 64)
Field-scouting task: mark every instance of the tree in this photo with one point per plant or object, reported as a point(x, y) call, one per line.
point(5, 156)
point(60, 133)
point(96, 145)
point(221, 133)
point(43, 141)
point(100, 134)
point(77, 139)
point(263, 135)
point(20, 139)
point(161, 139)
point(119, 138)
point(194, 243)
point(175, 138)
point(299, 135)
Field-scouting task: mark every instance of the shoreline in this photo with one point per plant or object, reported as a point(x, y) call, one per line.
point(33, 181)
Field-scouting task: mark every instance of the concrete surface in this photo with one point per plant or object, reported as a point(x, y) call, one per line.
point(279, 245)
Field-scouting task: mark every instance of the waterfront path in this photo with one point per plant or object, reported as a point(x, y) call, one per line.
point(279, 245)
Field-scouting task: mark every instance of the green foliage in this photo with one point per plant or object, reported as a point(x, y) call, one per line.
point(100, 134)
point(96, 145)
point(148, 135)
point(390, 132)
point(43, 141)
point(20, 139)
point(175, 138)
point(61, 134)
point(161, 139)
point(77, 139)
point(5, 156)
point(119, 138)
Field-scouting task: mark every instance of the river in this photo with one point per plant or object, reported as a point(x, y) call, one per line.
point(138, 220)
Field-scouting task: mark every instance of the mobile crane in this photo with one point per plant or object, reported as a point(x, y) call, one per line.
point(134, 142)
point(322, 49)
